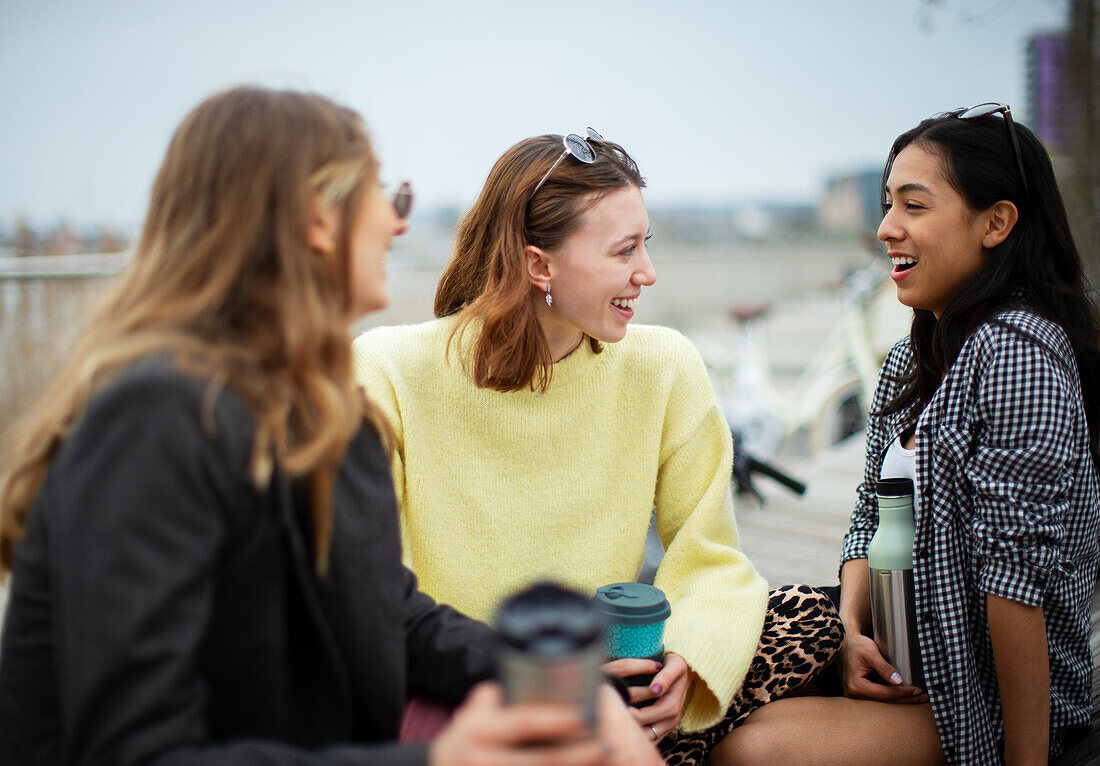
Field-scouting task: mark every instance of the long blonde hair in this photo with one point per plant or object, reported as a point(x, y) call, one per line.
point(223, 279)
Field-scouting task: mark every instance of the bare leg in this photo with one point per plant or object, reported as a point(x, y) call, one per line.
point(828, 731)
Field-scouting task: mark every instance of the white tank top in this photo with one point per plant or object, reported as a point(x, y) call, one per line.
point(899, 463)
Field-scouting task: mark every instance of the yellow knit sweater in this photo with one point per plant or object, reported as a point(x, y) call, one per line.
point(499, 489)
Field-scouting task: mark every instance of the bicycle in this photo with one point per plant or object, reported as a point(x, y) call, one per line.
point(829, 400)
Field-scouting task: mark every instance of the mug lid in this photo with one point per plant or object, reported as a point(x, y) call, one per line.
point(632, 603)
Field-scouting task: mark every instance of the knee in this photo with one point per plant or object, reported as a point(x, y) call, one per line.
point(746, 745)
point(801, 602)
point(805, 617)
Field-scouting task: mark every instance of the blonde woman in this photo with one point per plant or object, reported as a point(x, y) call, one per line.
point(198, 515)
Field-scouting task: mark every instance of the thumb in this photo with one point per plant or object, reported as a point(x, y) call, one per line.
point(487, 694)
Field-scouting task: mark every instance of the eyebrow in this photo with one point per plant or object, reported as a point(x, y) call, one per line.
point(629, 238)
point(911, 187)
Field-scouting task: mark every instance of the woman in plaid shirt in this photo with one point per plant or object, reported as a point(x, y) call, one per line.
point(982, 406)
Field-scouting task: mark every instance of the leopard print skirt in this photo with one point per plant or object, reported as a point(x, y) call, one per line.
point(802, 633)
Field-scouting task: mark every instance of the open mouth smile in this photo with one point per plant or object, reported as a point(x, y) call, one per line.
point(903, 264)
point(624, 307)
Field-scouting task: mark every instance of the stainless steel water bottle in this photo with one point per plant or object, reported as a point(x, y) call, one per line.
point(890, 558)
point(551, 647)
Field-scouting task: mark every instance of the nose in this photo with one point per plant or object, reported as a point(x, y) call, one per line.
point(645, 274)
point(888, 230)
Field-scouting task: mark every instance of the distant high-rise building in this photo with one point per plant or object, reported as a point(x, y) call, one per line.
point(1048, 101)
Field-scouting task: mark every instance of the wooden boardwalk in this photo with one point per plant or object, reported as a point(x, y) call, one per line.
point(794, 539)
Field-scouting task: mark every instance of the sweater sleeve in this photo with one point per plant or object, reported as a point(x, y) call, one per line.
point(448, 651)
point(718, 599)
point(375, 374)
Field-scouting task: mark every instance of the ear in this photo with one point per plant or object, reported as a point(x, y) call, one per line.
point(323, 227)
point(999, 220)
point(538, 266)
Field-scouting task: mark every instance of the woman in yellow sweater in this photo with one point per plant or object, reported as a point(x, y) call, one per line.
point(535, 433)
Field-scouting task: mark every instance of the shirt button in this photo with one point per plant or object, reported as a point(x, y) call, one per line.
point(922, 553)
point(928, 618)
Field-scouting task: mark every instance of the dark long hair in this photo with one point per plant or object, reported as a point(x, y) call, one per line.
point(1037, 266)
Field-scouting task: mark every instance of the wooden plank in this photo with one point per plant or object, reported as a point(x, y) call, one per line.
point(798, 539)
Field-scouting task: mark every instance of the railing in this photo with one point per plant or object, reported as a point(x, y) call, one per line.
point(83, 265)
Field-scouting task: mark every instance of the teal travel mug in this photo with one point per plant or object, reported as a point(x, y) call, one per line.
point(634, 624)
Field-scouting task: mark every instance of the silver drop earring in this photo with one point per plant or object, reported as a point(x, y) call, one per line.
point(549, 299)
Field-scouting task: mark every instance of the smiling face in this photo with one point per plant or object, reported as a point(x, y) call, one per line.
point(933, 237)
point(375, 226)
point(598, 272)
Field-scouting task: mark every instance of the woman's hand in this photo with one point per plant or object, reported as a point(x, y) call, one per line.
point(628, 744)
point(668, 687)
point(859, 657)
point(486, 732)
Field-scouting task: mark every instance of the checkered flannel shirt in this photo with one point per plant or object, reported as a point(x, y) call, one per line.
point(1006, 504)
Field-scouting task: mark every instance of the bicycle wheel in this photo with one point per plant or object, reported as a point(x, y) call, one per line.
point(841, 415)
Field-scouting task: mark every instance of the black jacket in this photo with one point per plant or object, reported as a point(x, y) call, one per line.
point(164, 611)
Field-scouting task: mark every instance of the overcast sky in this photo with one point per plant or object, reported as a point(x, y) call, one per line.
point(720, 101)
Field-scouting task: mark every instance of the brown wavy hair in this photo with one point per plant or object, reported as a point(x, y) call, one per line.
point(486, 278)
point(224, 280)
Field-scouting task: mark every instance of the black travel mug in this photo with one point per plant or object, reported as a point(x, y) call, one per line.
point(550, 648)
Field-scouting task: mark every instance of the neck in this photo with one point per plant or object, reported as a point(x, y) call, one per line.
point(562, 337)
point(564, 346)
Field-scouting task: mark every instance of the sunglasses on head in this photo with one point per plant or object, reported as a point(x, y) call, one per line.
point(989, 108)
point(577, 147)
point(402, 200)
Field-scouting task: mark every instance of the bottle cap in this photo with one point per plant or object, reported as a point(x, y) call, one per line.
point(632, 603)
point(548, 620)
point(894, 488)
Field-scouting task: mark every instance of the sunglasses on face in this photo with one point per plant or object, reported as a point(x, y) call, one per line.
point(402, 200)
point(577, 147)
point(984, 110)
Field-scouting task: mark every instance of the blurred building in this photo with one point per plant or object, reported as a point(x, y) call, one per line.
point(851, 202)
point(1049, 103)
